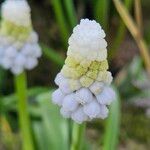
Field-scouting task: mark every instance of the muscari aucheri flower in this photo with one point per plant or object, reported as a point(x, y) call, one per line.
point(84, 81)
point(19, 48)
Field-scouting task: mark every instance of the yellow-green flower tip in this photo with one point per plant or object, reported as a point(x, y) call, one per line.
point(74, 84)
point(81, 70)
point(86, 81)
point(71, 61)
point(70, 72)
point(85, 63)
point(18, 32)
point(95, 65)
point(103, 65)
point(104, 76)
point(92, 74)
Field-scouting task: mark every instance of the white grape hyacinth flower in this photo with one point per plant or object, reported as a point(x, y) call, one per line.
point(19, 48)
point(84, 91)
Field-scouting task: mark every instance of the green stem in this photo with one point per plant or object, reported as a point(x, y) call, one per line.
point(78, 136)
point(24, 119)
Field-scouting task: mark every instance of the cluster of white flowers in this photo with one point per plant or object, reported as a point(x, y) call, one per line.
point(84, 83)
point(19, 48)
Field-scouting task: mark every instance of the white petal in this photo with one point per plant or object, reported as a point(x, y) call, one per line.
point(92, 109)
point(84, 95)
point(64, 113)
point(96, 87)
point(69, 102)
point(106, 96)
point(79, 116)
point(57, 97)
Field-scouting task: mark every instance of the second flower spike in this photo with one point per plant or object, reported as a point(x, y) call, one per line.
point(19, 48)
point(84, 81)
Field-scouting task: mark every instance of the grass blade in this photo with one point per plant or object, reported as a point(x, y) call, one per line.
point(101, 12)
point(52, 55)
point(60, 17)
point(71, 12)
point(56, 128)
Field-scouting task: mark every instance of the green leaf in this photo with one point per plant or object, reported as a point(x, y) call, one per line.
point(9, 102)
point(55, 127)
point(52, 55)
point(101, 12)
point(61, 20)
point(112, 125)
point(2, 79)
point(39, 135)
point(71, 12)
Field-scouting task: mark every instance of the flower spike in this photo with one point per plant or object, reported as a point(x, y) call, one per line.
point(19, 48)
point(84, 81)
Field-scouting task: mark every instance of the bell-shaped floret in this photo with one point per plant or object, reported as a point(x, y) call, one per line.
point(106, 96)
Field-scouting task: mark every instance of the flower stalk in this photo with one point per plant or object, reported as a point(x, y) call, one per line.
point(24, 119)
point(78, 136)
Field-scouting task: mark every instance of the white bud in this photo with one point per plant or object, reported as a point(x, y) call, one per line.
point(20, 60)
point(10, 52)
point(106, 96)
point(92, 109)
point(69, 102)
point(1, 52)
point(6, 62)
point(31, 63)
point(57, 97)
point(33, 38)
point(79, 116)
point(36, 51)
point(59, 77)
point(83, 96)
point(27, 50)
point(96, 87)
point(65, 87)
